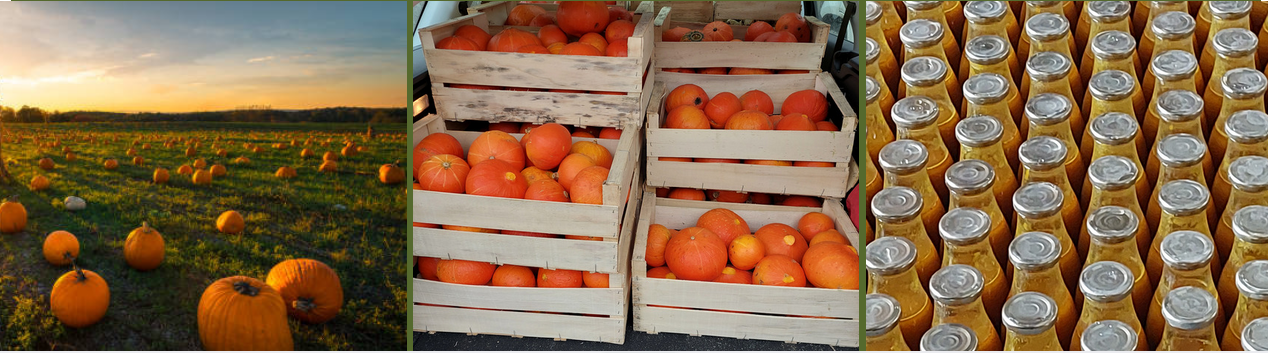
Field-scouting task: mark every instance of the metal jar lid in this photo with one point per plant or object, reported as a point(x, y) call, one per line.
point(914, 112)
point(1180, 150)
point(1042, 153)
point(1255, 335)
point(1029, 313)
point(986, 88)
point(923, 71)
point(1189, 308)
point(1250, 224)
point(1034, 251)
point(1247, 126)
point(896, 204)
point(987, 49)
point(948, 338)
point(1113, 45)
point(873, 50)
point(964, 226)
point(956, 285)
point(873, 90)
point(1235, 42)
point(1179, 105)
point(922, 5)
point(984, 12)
point(1109, 336)
point(1114, 128)
point(888, 256)
point(873, 12)
point(970, 176)
point(1048, 66)
point(1229, 10)
point(1108, 11)
point(1112, 224)
point(1048, 108)
point(920, 33)
point(979, 131)
point(1047, 26)
point(1038, 200)
point(1106, 281)
point(1243, 83)
point(1252, 280)
point(883, 312)
point(1186, 250)
point(1173, 25)
point(1111, 85)
point(1183, 197)
point(1112, 173)
point(1173, 65)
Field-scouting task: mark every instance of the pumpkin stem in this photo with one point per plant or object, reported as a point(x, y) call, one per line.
point(79, 272)
point(304, 304)
point(244, 288)
point(68, 256)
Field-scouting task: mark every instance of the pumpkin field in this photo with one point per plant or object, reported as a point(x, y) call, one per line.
point(340, 214)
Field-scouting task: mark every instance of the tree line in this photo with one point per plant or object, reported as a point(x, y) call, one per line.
point(27, 114)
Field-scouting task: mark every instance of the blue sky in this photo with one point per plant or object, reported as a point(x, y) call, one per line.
point(197, 56)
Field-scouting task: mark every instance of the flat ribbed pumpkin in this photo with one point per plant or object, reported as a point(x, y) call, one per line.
point(580, 17)
point(497, 179)
point(696, 254)
point(311, 290)
point(779, 270)
point(831, 265)
point(240, 313)
point(496, 145)
point(547, 145)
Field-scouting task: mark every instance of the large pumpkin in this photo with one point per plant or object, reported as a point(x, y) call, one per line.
point(522, 15)
point(465, 272)
point(497, 179)
point(687, 94)
point(12, 217)
point(39, 182)
point(733, 275)
point(657, 237)
point(443, 173)
point(696, 254)
point(580, 48)
point(330, 156)
point(779, 270)
point(144, 248)
point(534, 174)
point(240, 313)
point(427, 268)
point(618, 31)
point(687, 117)
point(781, 239)
point(718, 31)
point(513, 276)
point(795, 24)
point(809, 102)
point(496, 145)
point(79, 298)
point(831, 265)
point(573, 164)
point(559, 278)
point(200, 163)
point(551, 34)
point(587, 185)
point(230, 222)
point(814, 223)
point(547, 145)
point(721, 107)
point(511, 39)
point(310, 289)
point(757, 100)
point(61, 248)
point(723, 223)
point(749, 120)
point(580, 17)
point(476, 34)
point(391, 174)
point(601, 156)
point(756, 29)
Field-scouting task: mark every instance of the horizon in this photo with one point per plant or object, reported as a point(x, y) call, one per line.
point(191, 57)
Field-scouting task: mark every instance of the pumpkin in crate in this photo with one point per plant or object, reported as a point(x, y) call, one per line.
point(595, 40)
point(733, 275)
point(38, 183)
point(79, 298)
point(513, 276)
point(230, 222)
point(542, 20)
point(547, 145)
point(828, 236)
point(718, 31)
point(497, 145)
point(779, 270)
point(522, 15)
point(144, 248)
point(723, 223)
point(756, 29)
point(686, 194)
point(618, 31)
point(687, 117)
point(746, 251)
point(809, 102)
point(547, 190)
point(748, 71)
point(496, 178)
point(657, 237)
point(795, 24)
point(696, 254)
point(687, 94)
point(675, 34)
point(465, 272)
point(802, 201)
point(240, 313)
point(617, 13)
point(551, 34)
point(661, 272)
point(757, 100)
point(814, 223)
point(777, 37)
point(601, 156)
point(533, 49)
point(310, 289)
point(720, 109)
point(781, 239)
point(443, 173)
point(795, 122)
point(595, 280)
point(559, 278)
point(475, 34)
point(61, 248)
point(510, 39)
point(579, 48)
point(571, 165)
point(727, 196)
point(427, 268)
point(12, 216)
point(534, 174)
point(587, 186)
point(749, 120)
point(577, 18)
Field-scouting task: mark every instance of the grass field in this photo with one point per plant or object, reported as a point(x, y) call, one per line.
point(348, 219)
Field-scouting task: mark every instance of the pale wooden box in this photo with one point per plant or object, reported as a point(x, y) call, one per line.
point(775, 56)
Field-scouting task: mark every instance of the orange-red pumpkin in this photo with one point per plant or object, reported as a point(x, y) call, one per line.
point(580, 17)
point(687, 117)
point(809, 102)
point(657, 237)
point(745, 251)
point(579, 48)
point(756, 29)
point(572, 165)
point(559, 278)
point(602, 157)
point(732, 275)
point(696, 254)
point(618, 30)
point(781, 239)
point(718, 31)
point(687, 94)
point(749, 71)
point(465, 272)
point(618, 49)
point(542, 20)
point(713, 71)
point(595, 280)
point(610, 133)
point(311, 289)
point(826, 126)
point(533, 49)
point(727, 196)
point(749, 120)
point(795, 24)
point(814, 223)
point(457, 43)
point(661, 272)
point(507, 127)
point(595, 40)
point(513, 276)
point(547, 145)
point(510, 39)
point(757, 100)
point(551, 34)
point(533, 174)
point(475, 34)
point(795, 122)
point(802, 201)
point(721, 107)
point(617, 13)
point(443, 173)
point(496, 145)
point(724, 223)
point(833, 266)
point(674, 34)
point(687, 194)
point(546, 190)
point(779, 270)
point(496, 178)
point(828, 236)
point(434, 144)
point(522, 15)
point(427, 268)
point(587, 186)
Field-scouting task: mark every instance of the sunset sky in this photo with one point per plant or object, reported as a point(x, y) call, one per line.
point(202, 56)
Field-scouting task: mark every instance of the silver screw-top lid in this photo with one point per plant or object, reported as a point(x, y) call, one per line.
point(873, 12)
point(1113, 45)
point(1048, 66)
point(949, 338)
point(1047, 26)
point(964, 226)
point(987, 49)
point(985, 11)
point(1229, 10)
point(1183, 197)
point(1179, 105)
point(1189, 308)
point(986, 88)
point(1252, 280)
point(1180, 150)
point(1112, 173)
point(883, 312)
point(1106, 281)
point(923, 71)
point(1029, 313)
point(1110, 85)
point(1173, 25)
point(1109, 336)
point(922, 5)
point(873, 90)
point(1042, 153)
point(1255, 335)
point(970, 176)
point(903, 156)
point(888, 256)
point(914, 112)
point(956, 285)
point(979, 131)
point(1186, 250)
point(896, 204)
point(1034, 251)
point(1108, 11)
point(1243, 83)
point(1112, 224)
point(1250, 224)
point(1247, 126)
point(873, 50)
point(1173, 65)
point(1114, 128)
point(1038, 200)
point(1048, 108)
point(920, 33)
point(1235, 42)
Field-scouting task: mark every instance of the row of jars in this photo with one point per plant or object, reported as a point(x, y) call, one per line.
point(1020, 161)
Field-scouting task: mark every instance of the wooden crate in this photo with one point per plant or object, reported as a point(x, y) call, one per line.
point(824, 146)
point(532, 312)
point(708, 11)
point(629, 75)
point(775, 56)
point(675, 306)
point(531, 216)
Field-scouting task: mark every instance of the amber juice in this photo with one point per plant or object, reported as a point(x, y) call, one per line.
point(1180, 40)
point(1124, 252)
point(1219, 137)
point(1005, 26)
point(916, 307)
point(1183, 112)
point(885, 40)
point(1049, 282)
point(1168, 224)
point(1214, 95)
point(1149, 41)
point(1215, 25)
point(1172, 279)
point(1122, 197)
point(980, 256)
point(878, 132)
point(949, 47)
point(1069, 260)
point(974, 316)
point(1000, 234)
point(1126, 149)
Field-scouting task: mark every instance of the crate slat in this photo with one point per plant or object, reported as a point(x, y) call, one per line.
point(595, 301)
point(753, 10)
point(474, 321)
point(777, 56)
point(843, 333)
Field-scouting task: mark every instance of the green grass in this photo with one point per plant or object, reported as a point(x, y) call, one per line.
point(349, 220)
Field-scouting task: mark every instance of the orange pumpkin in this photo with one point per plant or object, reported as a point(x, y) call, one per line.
point(749, 120)
point(465, 272)
point(618, 31)
point(579, 48)
point(601, 156)
point(795, 24)
point(696, 254)
point(38, 183)
point(687, 194)
point(687, 94)
point(674, 159)
point(732, 275)
point(826, 126)
point(542, 20)
point(79, 298)
point(496, 178)
point(534, 174)
point(595, 280)
point(513, 276)
point(718, 31)
point(661, 272)
point(110, 164)
point(674, 34)
point(559, 278)
point(748, 71)
point(61, 248)
point(496, 145)
point(713, 71)
point(144, 248)
point(724, 223)
point(587, 186)
point(778, 37)
point(721, 107)
point(809, 102)
point(687, 117)
point(551, 34)
point(522, 15)
point(802, 201)
point(46, 164)
point(779, 270)
point(230, 222)
point(757, 100)
point(427, 268)
point(610, 133)
point(572, 164)
point(507, 127)
point(745, 251)
point(727, 196)
point(619, 49)
point(828, 236)
point(596, 40)
point(556, 48)
point(831, 265)
point(814, 223)
point(756, 29)
point(547, 145)
point(311, 289)
point(475, 34)
point(657, 237)
point(434, 144)
point(457, 43)
point(577, 18)
point(795, 122)
point(617, 13)
point(546, 190)
point(510, 39)
point(781, 239)
point(533, 49)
